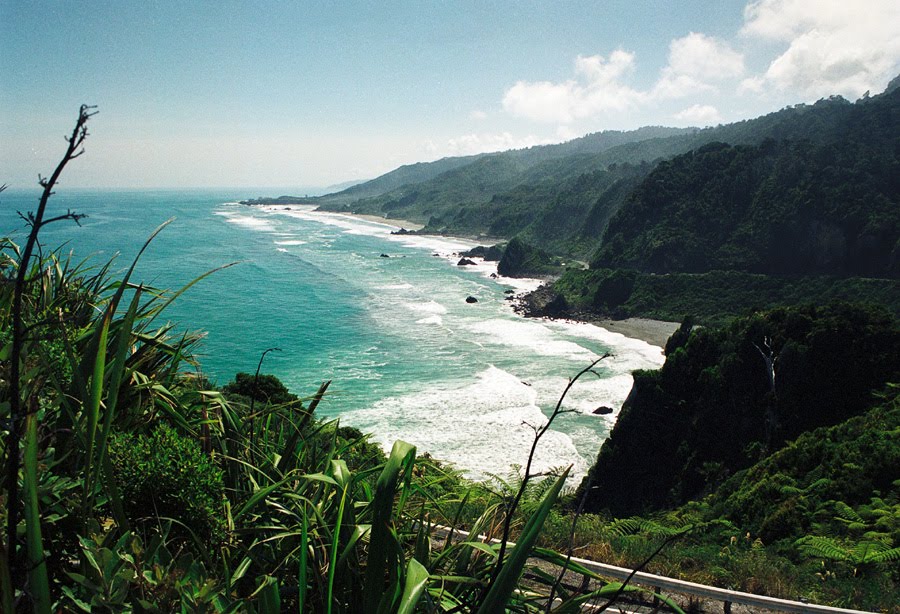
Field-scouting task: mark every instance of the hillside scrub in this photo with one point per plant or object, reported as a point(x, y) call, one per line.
point(711, 298)
point(780, 207)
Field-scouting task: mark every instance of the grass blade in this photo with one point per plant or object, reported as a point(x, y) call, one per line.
point(381, 548)
point(270, 597)
point(302, 563)
point(93, 412)
point(336, 535)
point(39, 586)
point(416, 580)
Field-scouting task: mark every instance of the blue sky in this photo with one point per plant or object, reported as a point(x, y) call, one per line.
point(294, 94)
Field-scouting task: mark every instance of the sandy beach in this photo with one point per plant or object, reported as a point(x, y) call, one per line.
point(385, 220)
point(481, 239)
point(654, 332)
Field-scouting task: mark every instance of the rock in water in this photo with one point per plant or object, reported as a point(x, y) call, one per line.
point(471, 299)
point(464, 262)
point(603, 410)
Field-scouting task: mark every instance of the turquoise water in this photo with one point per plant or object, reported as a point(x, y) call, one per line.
point(409, 358)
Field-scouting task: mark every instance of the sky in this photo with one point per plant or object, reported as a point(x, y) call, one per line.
point(309, 93)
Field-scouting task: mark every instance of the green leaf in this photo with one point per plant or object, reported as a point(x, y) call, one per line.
point(270, 597)
point(241, 569)
point(39, 586)
point(335, 540)
point(302, 563)
point(93, 411)
point(382, 545)
point(416, 580)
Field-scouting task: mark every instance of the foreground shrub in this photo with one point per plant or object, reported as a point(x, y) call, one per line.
point(167, 475)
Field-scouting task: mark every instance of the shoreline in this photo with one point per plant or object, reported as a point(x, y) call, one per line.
point(414, 227)
point(654, 332)
point(400, 224)
point(542, 303)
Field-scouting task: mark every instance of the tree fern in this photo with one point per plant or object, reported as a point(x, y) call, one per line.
point(636, 525)
point(823, 548)
point(847, 514)
point(861, 553)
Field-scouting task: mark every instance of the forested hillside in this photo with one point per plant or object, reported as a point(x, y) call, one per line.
point(501, 194)
point(832, 154)
point(728, 397)
point(788, 207)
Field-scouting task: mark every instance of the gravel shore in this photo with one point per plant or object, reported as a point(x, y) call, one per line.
point(544, 302)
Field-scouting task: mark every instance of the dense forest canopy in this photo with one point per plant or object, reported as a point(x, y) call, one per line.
point(727, 397)
point(779, 207)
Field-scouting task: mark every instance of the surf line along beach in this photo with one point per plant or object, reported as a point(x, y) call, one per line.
point(463, 381)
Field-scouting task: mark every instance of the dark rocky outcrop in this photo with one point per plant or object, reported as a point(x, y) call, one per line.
point(523, 260)
point(544, 302)
point(465, 262)
point(471, 299)
point(490, 254)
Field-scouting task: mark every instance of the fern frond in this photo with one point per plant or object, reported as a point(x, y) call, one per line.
point(635, 525)
point(885, 556)
point(847, 514)
point(823, 547)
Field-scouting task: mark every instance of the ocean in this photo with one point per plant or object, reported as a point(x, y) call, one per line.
point(383, 316)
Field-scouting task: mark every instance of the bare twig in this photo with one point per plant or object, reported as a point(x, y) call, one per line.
point(640, 567)
point(36, 221)
point(539, 433)
point(256, 388)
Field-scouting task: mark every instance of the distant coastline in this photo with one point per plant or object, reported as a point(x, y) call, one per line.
point(654, 332)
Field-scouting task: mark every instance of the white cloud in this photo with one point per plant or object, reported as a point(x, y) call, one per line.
point(833, 46)
point(753, 85)
point(699, 115)
point(565, 133)
point(478, 114)
point(696, 63)
point(596, 89)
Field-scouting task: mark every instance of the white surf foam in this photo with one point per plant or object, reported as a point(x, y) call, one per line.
point(431, 320)
point(530, 335)
point(482, 427)
point(427, 307)
point(291, 242)
point(640, 354)
point(254, 223)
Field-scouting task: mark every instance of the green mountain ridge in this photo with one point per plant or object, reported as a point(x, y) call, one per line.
point(780, 207)
point(581, 185)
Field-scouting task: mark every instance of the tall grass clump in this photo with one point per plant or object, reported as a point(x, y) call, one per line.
point(132, 484)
